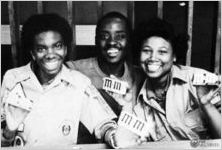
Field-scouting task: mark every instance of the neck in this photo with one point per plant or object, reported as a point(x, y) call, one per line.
point(116, 69)
point(160, 83)
point(43, 78)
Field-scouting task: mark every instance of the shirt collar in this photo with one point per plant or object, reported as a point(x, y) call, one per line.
point(27, 73)
point(177, 74)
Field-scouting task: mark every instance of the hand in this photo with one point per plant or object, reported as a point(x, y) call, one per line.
point(14, 116)
point(205, 94)
point(125, 138)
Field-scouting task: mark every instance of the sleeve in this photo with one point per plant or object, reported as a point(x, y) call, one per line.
point(204, 82)
point(7, 136)
point(7, 84)
point(96, 115)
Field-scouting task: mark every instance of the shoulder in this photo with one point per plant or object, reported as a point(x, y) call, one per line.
point(193, 74)
point(15, 75)
point(78, 79)
point(82, 63)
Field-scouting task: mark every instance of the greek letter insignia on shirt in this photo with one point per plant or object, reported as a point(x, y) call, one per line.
point(115, 85)
point(206, 78)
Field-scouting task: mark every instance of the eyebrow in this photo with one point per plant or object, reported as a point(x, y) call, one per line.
point(60, 41)
point(121, 31)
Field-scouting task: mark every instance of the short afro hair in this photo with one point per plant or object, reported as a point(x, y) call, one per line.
point(111, 15)
point(155, 27)
point(44, 22)
point(161, 28)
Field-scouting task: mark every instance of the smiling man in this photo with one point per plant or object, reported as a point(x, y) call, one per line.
point(44, 101)
point(112, 71)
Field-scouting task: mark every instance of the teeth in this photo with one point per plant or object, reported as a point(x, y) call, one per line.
point(153, 67)
point(51, 64)
point(113, 52)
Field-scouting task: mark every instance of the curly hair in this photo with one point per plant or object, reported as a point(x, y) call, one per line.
point(161, 28)
point(41, 23)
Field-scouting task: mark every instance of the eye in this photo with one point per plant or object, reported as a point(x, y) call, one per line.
point(146, 50)
point(104, 36)
point(120, 36)
point(162, 52)
point(40, 49)
point(58, 45)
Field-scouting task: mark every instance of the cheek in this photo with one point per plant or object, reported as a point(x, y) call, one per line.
point(62, 53)
point(168, 59)
point(143, 57)
point(37, 56)
point(124, 43)
point(102, 44)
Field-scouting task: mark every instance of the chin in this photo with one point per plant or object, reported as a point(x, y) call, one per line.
point(52, 71)
point(153, 75)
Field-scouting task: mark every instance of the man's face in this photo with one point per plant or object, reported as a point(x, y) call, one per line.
point(49, 52)
point(112, 40)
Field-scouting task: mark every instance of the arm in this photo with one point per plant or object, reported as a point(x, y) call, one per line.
point(96, 115)
point(212, 114)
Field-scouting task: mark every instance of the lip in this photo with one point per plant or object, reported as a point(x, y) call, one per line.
point(153, 67)
point(113, 52)
point(52, 64)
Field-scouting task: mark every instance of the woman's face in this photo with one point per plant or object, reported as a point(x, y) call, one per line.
point(156, 57)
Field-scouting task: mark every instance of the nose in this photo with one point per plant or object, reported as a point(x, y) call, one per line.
point(50, 50)
point(152, 55)
point(112, 40)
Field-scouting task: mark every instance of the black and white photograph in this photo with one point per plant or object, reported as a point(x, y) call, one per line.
point(111, 74)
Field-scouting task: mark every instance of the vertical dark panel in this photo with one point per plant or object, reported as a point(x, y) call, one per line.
point(58, 7)
point(72, 22)
point(86, 12)
point(203, 35)
point(6, 59)
point(119, 6)
point(131, 13)
point(14, 32)
point(4, 12)
point(144, 10)
point(176, 13)
point(26, 9)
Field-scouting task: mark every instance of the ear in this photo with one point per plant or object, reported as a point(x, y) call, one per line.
point(174, 59)
point(32, 55)
point(66, 51)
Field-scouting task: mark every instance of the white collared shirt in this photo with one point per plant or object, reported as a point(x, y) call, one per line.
point(58, 108)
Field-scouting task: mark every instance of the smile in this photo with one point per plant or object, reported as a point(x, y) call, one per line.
point(113, 52)
point(53, 64)
point(153, 66)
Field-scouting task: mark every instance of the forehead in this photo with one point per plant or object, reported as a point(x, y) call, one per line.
point(47, 37)
point(156, 41)
point(113, 24)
